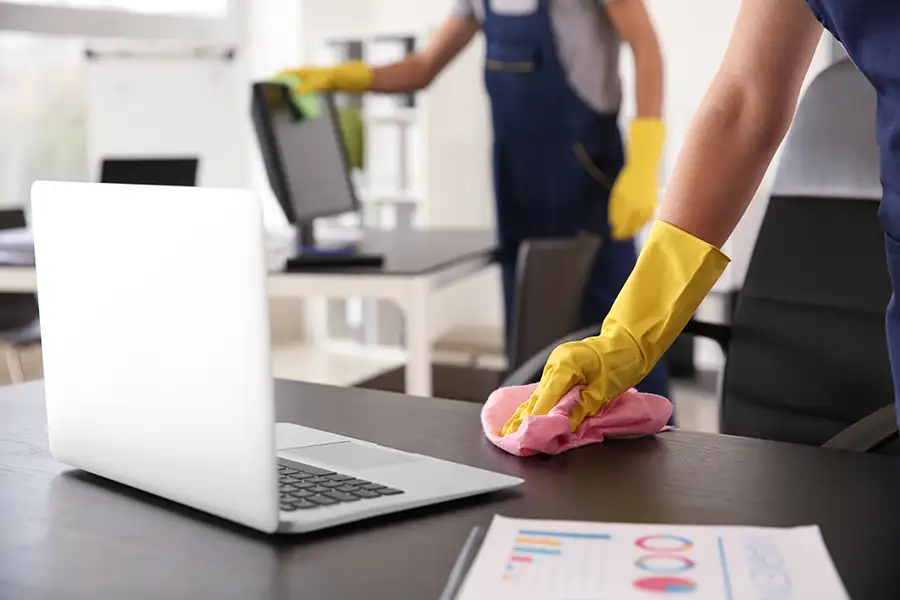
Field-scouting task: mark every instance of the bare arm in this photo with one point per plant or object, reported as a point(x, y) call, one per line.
point(632, 21)
point(419, 69)
point(743, 118)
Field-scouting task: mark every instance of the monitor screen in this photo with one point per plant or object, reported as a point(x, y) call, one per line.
point(304, 155)
point(150, 171)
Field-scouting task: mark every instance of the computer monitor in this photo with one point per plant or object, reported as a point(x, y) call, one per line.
point(150, 171)
point(305, 157)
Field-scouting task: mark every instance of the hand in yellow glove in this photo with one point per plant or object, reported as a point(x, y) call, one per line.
point(632, 200)
point(673, 274)
point(353, 77)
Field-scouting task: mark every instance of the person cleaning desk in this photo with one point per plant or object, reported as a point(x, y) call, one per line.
point(559, 166)
point(740, 124)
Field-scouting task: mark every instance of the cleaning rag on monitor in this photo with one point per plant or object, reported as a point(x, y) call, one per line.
point(309, 106)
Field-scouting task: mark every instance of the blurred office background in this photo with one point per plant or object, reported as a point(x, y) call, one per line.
point(82, 80)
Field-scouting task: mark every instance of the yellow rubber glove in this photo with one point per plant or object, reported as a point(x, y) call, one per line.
point(632, 200)
point(353, 77)
point(673, 274)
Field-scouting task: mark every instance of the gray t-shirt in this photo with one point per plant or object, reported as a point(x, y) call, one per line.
point(587, 43)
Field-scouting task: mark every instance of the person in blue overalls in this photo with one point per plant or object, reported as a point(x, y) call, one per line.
point(559, 166)
point(741, 123)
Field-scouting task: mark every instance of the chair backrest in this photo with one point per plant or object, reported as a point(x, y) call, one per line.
point(16, 310)
point(807, 355)
point(551, 275)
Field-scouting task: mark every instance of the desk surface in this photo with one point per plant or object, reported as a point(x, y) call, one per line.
point(419, 252)
point(68, 536)
point(416, 252)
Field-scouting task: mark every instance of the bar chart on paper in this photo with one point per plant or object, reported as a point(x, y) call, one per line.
point(541, 558)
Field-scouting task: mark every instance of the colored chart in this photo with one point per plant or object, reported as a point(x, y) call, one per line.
point(664, 563)
point(666, 585)
point(664, 543)
point(538, 557)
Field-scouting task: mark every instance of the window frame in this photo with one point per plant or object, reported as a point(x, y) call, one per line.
point(121, 24)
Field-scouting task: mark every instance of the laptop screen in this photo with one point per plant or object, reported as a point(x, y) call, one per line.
point(150, 171)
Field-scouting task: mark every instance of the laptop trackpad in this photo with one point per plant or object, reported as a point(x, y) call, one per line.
point(348, 455)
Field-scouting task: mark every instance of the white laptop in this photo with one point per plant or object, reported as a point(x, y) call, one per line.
point(154, 319)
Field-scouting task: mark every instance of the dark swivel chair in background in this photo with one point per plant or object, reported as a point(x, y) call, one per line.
point(551, 275)
point(806, 354)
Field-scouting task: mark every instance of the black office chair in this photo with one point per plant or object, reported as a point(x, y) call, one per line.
point(550, 281)
point(807, 344)
point(806, 357)
point(551, 276)
point(19, 324)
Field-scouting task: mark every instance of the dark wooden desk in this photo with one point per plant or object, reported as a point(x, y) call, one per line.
point(75, 536)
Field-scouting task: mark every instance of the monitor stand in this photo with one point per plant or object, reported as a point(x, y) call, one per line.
point(311, 254)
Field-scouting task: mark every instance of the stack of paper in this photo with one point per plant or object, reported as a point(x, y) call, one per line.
point(564, 560)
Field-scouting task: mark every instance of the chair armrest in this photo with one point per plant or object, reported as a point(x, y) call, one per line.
point(867, 434)
point(721, 334)
point(530, 371)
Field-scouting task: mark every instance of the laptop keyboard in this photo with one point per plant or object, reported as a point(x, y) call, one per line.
point(304, 487)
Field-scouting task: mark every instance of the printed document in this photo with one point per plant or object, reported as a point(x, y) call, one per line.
point(566, 560)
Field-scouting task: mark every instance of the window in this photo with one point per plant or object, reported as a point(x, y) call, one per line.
point(204, 8)
point(206, 22)
point(42, 113)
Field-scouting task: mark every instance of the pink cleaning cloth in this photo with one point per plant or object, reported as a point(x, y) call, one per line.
point(632, 414)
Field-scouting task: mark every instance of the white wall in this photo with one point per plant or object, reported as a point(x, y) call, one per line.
point(463, 192)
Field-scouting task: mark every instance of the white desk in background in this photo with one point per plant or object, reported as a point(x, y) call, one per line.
point(417, 264)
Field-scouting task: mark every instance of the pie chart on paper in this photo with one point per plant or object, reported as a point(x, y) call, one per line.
point(666, 585)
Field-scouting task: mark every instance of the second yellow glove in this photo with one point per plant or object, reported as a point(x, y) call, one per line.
point(632, 200)
point(353, 77)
